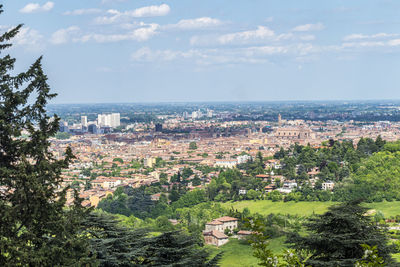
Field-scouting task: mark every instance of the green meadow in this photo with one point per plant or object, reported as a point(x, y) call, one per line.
point(239, 252)
point(265, 207)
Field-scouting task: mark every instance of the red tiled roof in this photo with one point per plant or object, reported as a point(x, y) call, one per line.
point(226, 219)
point(244, 232)
point(215, 222)
point(216, 234)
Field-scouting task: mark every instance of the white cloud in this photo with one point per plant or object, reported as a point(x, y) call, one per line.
point(308, 37)
point(252, 55)
point(63, 35)
point(150, 11)
point(87, 11)
point(30, 39)
point(394, 42)
point(140, 34)
point(145, 54)
point(147, 11)
point(309, 27)
point(35, 7)
point(260, 33)
point(198, 23)
point(363, 44)
point(359, 36)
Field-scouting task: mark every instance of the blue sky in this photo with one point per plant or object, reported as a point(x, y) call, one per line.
point(210, 50)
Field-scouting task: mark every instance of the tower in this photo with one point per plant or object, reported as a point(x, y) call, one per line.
point(279, 120)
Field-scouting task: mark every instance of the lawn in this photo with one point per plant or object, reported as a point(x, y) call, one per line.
point(239, 253)
point(265, 207)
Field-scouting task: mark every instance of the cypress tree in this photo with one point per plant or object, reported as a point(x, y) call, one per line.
point(35, 227)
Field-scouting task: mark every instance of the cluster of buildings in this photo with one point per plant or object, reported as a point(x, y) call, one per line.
point(104, 124)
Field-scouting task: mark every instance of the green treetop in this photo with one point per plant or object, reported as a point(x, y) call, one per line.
point(35, 227)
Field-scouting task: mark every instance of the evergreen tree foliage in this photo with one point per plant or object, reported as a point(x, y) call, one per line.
point(115, 245)
point(177, 249)
point(336, 237)
point(35, 227)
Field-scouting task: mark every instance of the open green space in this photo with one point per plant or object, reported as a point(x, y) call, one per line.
point(239, 252)
point(265, 207)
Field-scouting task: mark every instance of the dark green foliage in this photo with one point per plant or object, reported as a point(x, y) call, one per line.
point(35, 227)
point(177, 249)
point(115, 245)
point(193, 146)
point(134, 201)
point(190, 199)
point(336, 237)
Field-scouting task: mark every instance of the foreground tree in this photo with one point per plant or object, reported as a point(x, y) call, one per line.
point(116, 245)
point(336, 237)
point(35, 227)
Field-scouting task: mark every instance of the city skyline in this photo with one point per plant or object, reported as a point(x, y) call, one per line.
point(173, 51)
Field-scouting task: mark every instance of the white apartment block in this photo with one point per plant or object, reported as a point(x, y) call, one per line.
point(110, 120)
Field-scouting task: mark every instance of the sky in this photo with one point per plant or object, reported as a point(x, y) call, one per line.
point(113, 51)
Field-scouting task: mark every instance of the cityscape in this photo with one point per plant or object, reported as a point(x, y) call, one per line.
point(213, 133)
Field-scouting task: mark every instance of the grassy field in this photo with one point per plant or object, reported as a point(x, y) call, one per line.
point(239, 253)
point(265, 207)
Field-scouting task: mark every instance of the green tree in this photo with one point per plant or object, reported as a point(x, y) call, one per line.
point(62, 135)
point(113, 244)
point(35, 227)
point(336, 236)
point(192, 145)
point(118, 160)
point(177, 249)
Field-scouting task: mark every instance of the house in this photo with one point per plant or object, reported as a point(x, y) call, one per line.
point(214, 232)
point(242, 191)
point(155, 197)
point(226, 163)
point(243, 234)
point(222, 223)
point(215, 238)
point(269, 188)
point(287, 187)
point(329, 185)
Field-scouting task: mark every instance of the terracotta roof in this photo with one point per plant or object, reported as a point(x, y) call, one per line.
point(244, 232)
point(216, 234)
point(215, 222)
point(226, 219)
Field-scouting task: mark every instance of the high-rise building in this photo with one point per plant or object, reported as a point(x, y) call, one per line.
point(115, 120)
point(84, 121)
point(110, 120)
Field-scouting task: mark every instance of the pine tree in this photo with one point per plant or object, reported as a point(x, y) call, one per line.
point(35, 227)
point(336, 237)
